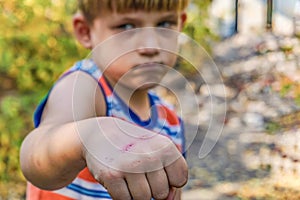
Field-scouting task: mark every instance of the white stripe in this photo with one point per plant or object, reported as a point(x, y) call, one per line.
point(67, 193)
point(89, 185)
point(86, 184)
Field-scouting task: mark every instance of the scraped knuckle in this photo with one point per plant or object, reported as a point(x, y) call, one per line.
point(163, 194)
point(113, 175)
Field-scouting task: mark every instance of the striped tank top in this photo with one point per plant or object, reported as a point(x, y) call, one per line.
point(163, 121)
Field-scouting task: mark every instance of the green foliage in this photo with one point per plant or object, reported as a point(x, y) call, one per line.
point(197, 24)
point(14, 123)
point(37, 45)
point(273, 127)
point(43, 45)
point(198, 29)
point(285, 89)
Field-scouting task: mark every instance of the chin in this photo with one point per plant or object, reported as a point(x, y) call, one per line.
point(148, 86)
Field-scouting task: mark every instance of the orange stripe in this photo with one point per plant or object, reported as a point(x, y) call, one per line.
point(161, 112)
point(172, 117)
point(34, 193)
point(105, 87)
point(179, 147)
point(86, 175)
point(166, 113)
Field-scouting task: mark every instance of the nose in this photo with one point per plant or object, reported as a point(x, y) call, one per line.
point(148, 44)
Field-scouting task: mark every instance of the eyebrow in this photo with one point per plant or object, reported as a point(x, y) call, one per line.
point(170, 16)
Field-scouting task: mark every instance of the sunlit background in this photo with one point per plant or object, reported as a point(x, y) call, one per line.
point(254, 43)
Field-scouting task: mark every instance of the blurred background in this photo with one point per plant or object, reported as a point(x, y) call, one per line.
point(255, 45)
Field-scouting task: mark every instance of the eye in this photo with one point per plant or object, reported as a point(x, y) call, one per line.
point(127, 26)
point(167, 24)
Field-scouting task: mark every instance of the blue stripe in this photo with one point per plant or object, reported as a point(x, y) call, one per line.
point(169, 132)
point(79, 65)
point(88, 192)
point(37, 116)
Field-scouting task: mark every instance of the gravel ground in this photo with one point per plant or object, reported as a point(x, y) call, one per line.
point(248, 162)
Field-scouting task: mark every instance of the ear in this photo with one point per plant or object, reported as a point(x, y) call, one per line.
point(82, 30)
point(183, 17)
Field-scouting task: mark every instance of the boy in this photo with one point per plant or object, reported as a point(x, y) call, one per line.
point(84, 131)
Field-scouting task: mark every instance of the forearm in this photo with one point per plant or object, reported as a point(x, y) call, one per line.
point(51, 157)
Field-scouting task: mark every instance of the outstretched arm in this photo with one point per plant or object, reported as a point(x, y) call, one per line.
point(51, 155)
point(131, 162)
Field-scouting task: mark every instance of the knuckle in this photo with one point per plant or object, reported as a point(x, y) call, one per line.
point(113, 175)
point(142, 196)
point(181, 181)
point(163, 194)
point(97, 177)
point(124, 197)
point(140, 191)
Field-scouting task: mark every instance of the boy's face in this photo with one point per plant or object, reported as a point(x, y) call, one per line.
point(134, 48)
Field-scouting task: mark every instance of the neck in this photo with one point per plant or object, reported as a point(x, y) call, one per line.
point(139, 103)
point(136, 100)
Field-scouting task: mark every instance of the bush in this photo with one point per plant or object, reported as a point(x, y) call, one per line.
point(37, 45)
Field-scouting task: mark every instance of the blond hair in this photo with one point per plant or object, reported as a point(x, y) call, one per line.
point(93, 8)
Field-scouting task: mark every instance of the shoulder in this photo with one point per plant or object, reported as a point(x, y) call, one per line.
point(74, 97)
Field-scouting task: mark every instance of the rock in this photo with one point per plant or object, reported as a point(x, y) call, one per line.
point(285, 66)
point(266, 46)
point(201, 194)
point(229, 189)
point(286, 44)
point(253, 120)
point(256, 107)
point(275, 57)
point(218, 90)
point(234, 123)
point(262, 108)
point(281, 105)
point(238, 105)
point(254, 89)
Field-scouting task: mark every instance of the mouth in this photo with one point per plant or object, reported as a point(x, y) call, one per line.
point(151, 68)
point(148, 74)
point(150, 65)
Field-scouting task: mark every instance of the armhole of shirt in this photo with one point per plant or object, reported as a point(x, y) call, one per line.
point(37, 115)
point(183, 137)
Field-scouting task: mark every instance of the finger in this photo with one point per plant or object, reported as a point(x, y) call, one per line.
point(116, 186)
point(138, 186)
point(174, 194)
point(177, 173)
point(159, 185)
point(177, 194)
